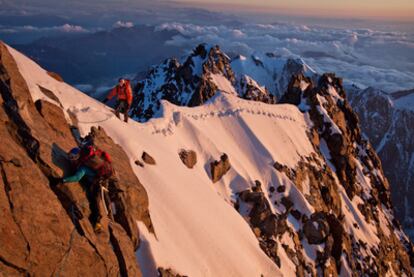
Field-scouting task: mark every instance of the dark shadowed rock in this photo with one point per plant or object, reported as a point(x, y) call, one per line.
point(220, 168)
point(139, 163)
point(316, 229)
point(281, 189)
point(297, 85)
point(168, 273)
point(148, 159)
point(188, 157)
point(287, 203)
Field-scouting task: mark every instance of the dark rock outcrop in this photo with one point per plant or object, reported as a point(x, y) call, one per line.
point(139, 163)
point(168, 273)
point(219, 168)
point(148, 159)
point(316, 229)
point(188, 157)
point(264, 223)
point(296, 86)
point(250, 90)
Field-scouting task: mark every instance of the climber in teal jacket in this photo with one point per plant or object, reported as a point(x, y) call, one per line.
point(94, 165)
point(82, 171)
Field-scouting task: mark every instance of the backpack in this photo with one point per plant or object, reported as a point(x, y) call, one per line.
point(97, 160)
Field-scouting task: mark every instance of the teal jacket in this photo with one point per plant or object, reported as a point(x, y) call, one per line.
point(80, 173)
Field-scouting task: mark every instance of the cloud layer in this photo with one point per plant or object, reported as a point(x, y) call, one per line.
point(365, 57)
point(122, 24)
point(66, 28)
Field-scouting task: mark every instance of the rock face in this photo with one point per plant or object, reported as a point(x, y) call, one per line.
point(45, 229)
point(188, 157)
point(192, 82)
point(265, 224)
point(388, 124)
point(220, 168)
point(338, 137)
point(385, 119)
point(344, 169)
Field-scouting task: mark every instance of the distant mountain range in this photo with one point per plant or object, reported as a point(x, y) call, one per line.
point(102, 55)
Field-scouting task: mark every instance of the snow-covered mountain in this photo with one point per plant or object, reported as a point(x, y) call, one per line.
point(231, 187)
point(271, 71)
point(192, 81)
point(387, 120)
point(196, 78)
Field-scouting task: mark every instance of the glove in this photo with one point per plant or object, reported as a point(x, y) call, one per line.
point(105, 100)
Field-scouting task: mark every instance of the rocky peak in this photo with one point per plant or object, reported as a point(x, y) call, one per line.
point(272, 71)
point(192, 82)
point(213, 61)
point(249, 89)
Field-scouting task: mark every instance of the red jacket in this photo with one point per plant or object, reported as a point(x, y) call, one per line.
point(97, 160)
point(123, 93)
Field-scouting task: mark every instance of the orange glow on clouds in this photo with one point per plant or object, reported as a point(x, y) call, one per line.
point(392, 9)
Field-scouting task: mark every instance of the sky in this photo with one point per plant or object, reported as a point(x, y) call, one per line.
point(331, 36)
point(395, 9)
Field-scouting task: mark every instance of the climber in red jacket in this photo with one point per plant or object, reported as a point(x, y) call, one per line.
point(123, 91)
